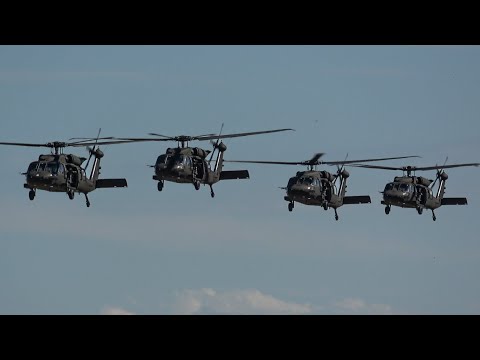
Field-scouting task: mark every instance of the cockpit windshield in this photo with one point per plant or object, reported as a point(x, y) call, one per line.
point(307, 180)
point(404, 187)
point(179, 160)
point(52, 167)
point(399, 186)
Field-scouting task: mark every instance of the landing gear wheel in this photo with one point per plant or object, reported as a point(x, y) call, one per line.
point(325, 206)
point(387, 210)
point(71, 194)
point(433, 216)
point(197, 185)
point(31, 194)
point(160, 186)
point(212, 194)
point(420, 211)
point(336, 217)
point(290, 206)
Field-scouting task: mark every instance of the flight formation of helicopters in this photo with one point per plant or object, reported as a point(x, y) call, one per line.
point(60, 172)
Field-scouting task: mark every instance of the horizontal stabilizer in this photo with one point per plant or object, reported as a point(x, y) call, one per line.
point(365, 199)
point(235, 174)
point(111, 183)
point(454, 201)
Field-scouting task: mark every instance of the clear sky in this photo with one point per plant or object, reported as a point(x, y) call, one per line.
point(139, 251)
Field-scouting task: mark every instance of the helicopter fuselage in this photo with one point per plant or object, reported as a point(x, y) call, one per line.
point(313, 188)
point(183, 165)
point(411, 192)
point(319, 188)
point(58, 173)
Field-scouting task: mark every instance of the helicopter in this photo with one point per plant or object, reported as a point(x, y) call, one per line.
point(60, 172)
point(315, 187)
point(410, 191)
point(189, 165)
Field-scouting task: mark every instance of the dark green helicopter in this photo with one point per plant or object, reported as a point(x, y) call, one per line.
point(320, 188)
point(189, 165)
point(410, 191)
point(59, 172)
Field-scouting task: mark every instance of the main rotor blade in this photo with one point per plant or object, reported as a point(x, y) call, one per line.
point(214, 136)
point(379, 167)
point(446, 166)
point(94, 143)
point(316, 162)
point(143, 139)
point(415, 168)
point(25, 144)
point(269, 162)
point(365, 160)
point(91, 139)
point(164, 136)
point(314, 159)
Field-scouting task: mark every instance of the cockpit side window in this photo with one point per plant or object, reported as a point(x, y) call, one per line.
point(32, 166)
point(389, 186)
point(163, 159)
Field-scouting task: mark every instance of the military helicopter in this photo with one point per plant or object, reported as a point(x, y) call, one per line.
point(189, 165)
point(410, 191)
point(313, 187)
point(59, 172)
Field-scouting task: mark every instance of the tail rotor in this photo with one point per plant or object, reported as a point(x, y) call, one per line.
point(215, 144)
point(340, 168)
point(92, 150)
point(439, 173)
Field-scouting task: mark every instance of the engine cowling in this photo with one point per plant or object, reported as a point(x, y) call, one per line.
point(76, 160)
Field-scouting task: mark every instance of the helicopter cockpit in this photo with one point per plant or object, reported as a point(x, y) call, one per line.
point(402, 187)
point(309, 181)
point(52, 167)
point(168, 161)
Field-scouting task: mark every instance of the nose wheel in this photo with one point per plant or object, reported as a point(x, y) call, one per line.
point(160, 185)
point(433, 216)
point(419, 210)
point(31, 194)
point(196, 184)
point(290, 206)
point(70, 194)
point(336, 215)
point(88, 202)
point(212, 194)
point(387, 209)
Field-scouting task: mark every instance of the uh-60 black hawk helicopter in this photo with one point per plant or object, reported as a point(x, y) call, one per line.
point(314, 187)
point(410, 191)
point(59, 172)
point(189, 165)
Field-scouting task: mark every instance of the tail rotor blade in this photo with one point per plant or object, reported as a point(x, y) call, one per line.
point(439, 173)
point(93, 149)
point(216, 143)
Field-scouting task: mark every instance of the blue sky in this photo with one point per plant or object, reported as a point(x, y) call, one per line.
point(138, 251)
